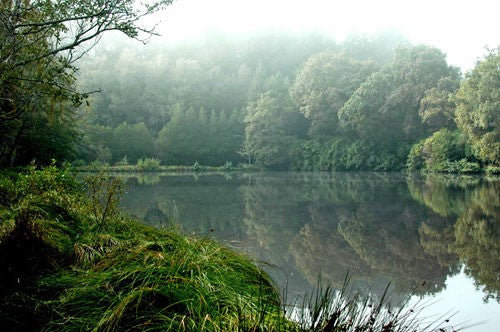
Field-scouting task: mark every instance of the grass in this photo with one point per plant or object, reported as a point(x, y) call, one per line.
point(228, 167)
point(71, 261)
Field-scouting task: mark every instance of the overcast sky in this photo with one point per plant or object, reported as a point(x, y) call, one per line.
point(460, 28)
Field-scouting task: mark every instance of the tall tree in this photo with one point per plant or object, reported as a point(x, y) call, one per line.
point(437, 109)
point(478, 108)
point(41, 40)
point(385, 108)
point(270, 132)
point(132, 141)
point(324, 83)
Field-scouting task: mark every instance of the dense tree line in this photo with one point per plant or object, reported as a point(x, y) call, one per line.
point(302, 102)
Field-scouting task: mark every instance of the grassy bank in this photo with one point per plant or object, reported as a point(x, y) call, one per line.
point(71, 261)
point(153, 165)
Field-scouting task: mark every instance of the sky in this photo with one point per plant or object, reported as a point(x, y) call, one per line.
point(462, 29)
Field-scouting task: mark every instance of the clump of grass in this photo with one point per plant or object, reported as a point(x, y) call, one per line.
point(345, 310)
point(148, 164)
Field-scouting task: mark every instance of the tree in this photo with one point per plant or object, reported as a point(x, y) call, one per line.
point(132, 141)
point(41, 40)
point(437, 109)
point(385, 108)
point(178, 140)
point(268, 134)
point(324, 83)
point(478, 108)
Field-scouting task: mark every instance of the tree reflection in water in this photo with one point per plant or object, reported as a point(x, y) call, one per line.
point(412, 231)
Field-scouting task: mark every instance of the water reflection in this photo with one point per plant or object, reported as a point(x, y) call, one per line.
point(413, 231)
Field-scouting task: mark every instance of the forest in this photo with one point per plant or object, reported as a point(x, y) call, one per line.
point(272, 100)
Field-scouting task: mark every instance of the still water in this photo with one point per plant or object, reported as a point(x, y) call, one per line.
point(435, 238)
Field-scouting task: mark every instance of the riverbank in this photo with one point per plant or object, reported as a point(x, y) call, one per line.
point(70, 263)
point(153, 165)
point(228, 168)
point(71, 260)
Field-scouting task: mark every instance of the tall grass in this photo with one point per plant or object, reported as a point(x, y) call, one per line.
point(71, 261)
point(328, 309)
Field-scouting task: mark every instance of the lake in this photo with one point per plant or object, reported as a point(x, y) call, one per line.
point(435, 238)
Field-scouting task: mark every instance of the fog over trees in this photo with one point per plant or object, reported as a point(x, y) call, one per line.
point(274, 100)
point(302, 102)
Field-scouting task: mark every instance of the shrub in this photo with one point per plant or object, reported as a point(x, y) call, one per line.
point(460, 166)
point(492, 169)
point(123, 162)
point(98, 165)
point(228, 166)
point(444, 151)
point(416, 159)
point(196, 166)
point(148, 164)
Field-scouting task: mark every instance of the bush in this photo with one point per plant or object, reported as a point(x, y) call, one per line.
point(444, 151)
point(492, 169)
point(416, 159)
point(123, 162)
point(148, 164)
point(196, 166)
point(460, 166)
point(228, 166)
point(98, 165)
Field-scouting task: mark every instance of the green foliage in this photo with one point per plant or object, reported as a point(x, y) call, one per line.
point(460, 166)
point(385, 108)
point(196, 97)
point(416, 159)
point(323, 85)
point(104, 192)
point(207, 137)
point(444, 151)
point(132, 141)
point(123, 162)
point(437, 109)
point(98, 165)
point(269, 130)
point(478, 108)
point(41, 40)
point(148, 164)
point(343, 154)
point(492, 170)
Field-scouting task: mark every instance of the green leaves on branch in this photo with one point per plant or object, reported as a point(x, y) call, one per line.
point(41, 40)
